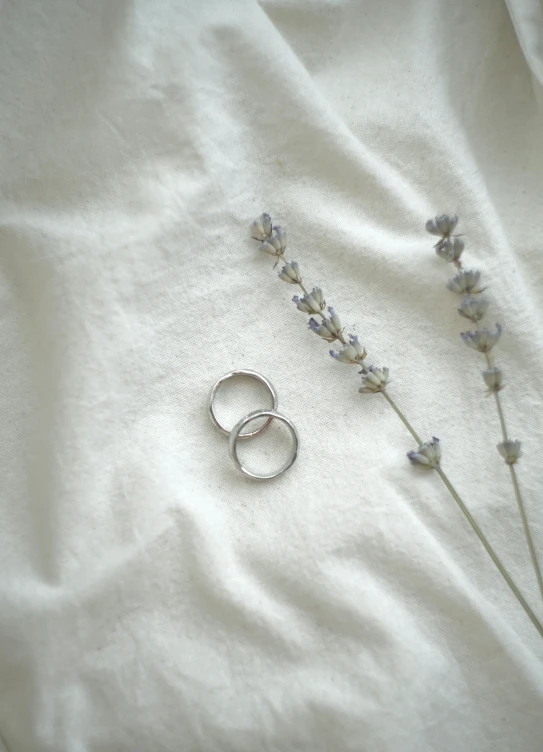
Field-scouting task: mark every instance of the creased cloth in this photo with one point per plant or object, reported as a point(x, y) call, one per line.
point(151, 598)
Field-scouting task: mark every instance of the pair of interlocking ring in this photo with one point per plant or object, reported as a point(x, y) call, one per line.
point(236, 434)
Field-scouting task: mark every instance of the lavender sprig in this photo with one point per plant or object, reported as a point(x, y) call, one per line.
point(473, 307)
point(375, 380)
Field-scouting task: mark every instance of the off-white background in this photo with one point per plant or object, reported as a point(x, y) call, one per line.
point(152, 599)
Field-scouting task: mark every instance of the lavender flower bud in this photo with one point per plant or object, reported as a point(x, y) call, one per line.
point(281, 236)
point(483, 340)
point(510, 451)
point(375, 380)
point(262, 227)
point(442, 225)
point(352, 353)
point(450, 249)
point(330, 328)
point(428, 455)
point(334, 318)
point(275, 244)
point(312, 302)
point(466, 282)
point(473, 308)
point(493, 380)
point(270, 247)
point(316, 294)
point(291, 273)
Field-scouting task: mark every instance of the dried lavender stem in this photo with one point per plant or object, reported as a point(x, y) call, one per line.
point(450, 248)
point(526, 527)
point(500, 415)
point(402, 417)
point(490, 551)
point(518, 496)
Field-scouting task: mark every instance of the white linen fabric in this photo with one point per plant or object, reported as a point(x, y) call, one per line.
point(151, 597)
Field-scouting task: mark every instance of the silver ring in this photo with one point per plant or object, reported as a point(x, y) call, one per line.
point(232, 374)
point(235, 435)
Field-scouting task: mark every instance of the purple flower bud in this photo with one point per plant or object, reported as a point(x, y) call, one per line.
point(482, 340)
point(262, 227)
point(428, 455)
point(442, 225)
point(510, 451)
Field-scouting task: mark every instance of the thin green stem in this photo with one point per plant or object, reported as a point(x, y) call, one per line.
point(518, 495)
point(490, 551)
point(500, 415)
point(526, 527)
point(402, 417)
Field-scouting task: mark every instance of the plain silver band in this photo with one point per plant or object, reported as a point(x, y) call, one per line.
point(232, 374)
point(235, 435)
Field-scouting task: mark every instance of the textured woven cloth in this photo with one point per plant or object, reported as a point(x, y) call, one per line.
point(151, 598)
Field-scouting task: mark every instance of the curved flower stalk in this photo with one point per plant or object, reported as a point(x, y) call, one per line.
point(326, 324)
point(473, 306)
